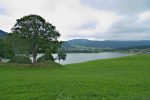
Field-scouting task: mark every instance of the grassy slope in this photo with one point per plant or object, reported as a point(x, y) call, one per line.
point(125, 78)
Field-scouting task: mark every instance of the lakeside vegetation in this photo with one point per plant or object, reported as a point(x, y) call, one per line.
point(125, 78)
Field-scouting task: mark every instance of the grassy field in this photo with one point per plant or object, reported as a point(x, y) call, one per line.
point(126, 78)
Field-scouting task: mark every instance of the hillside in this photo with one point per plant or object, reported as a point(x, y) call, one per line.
point(2, 33)
point(89, 46)
point(124, 78)
point(107, 44)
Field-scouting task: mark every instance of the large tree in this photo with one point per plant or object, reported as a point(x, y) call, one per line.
point(33, 35)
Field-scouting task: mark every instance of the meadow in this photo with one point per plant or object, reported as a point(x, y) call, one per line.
point(125, 78)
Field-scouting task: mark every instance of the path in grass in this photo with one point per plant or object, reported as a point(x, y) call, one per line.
point(126, 78)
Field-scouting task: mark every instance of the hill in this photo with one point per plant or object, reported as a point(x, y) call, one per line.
point(124, 78)
point(2, 33)
point(107, 44)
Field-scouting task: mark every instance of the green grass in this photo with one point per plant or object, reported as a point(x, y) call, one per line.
point(126, 78)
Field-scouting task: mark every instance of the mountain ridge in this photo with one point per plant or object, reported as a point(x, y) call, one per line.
point(3, 33)
point(113, 44)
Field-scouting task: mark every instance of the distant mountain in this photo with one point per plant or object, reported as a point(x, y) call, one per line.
point(106, 44)
point(2, 33)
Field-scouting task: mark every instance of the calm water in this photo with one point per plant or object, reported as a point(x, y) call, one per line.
point(83, 57)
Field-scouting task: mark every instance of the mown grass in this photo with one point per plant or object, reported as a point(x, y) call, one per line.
point(126, 78)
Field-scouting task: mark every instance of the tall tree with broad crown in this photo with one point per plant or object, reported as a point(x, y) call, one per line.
point(33, 34)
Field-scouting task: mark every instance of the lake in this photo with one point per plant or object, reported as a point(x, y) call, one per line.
point(83, 57)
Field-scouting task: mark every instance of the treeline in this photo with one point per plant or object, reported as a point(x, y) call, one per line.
point(94, 50)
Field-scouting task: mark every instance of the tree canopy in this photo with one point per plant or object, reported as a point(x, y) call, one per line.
point(32, 34)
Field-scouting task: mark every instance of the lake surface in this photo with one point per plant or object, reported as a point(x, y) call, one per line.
point(83, 57)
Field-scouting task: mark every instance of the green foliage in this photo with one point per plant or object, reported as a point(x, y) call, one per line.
point(3, 34)
point(6, 48)
point(126, 78)
point(1, 48)
point(32, 34)
point(45, 57)
point(21, 60)
point(61, 55)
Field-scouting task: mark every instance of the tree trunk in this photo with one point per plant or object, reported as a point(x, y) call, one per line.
point(34, 58)
point(34, 54)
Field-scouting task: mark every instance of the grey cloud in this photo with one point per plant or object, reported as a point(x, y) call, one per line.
point(129, 29)
point(2, 10)
point(130, 25)
point(120, 6)
point(125, 29)
point(89, 25)
point(69, 16)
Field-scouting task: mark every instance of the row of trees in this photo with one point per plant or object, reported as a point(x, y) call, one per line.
point(32, 35)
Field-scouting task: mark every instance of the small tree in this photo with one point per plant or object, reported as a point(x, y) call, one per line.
point(45, 57)
point(61, 56)
point(33, 35)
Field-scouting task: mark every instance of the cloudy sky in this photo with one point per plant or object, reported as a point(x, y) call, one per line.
point(92, 19)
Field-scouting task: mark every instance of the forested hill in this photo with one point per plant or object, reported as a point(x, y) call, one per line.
point(2, 33)
point(105, 44)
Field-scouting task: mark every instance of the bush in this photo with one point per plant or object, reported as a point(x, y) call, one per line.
point(45, 57)
point(21, 60)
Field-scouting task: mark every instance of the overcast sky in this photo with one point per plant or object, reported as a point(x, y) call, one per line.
point(88, 19)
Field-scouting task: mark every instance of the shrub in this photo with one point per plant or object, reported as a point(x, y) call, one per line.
point(45, 57)
point(21, 60)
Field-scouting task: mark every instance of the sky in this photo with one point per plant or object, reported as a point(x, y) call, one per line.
point(84, 19)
